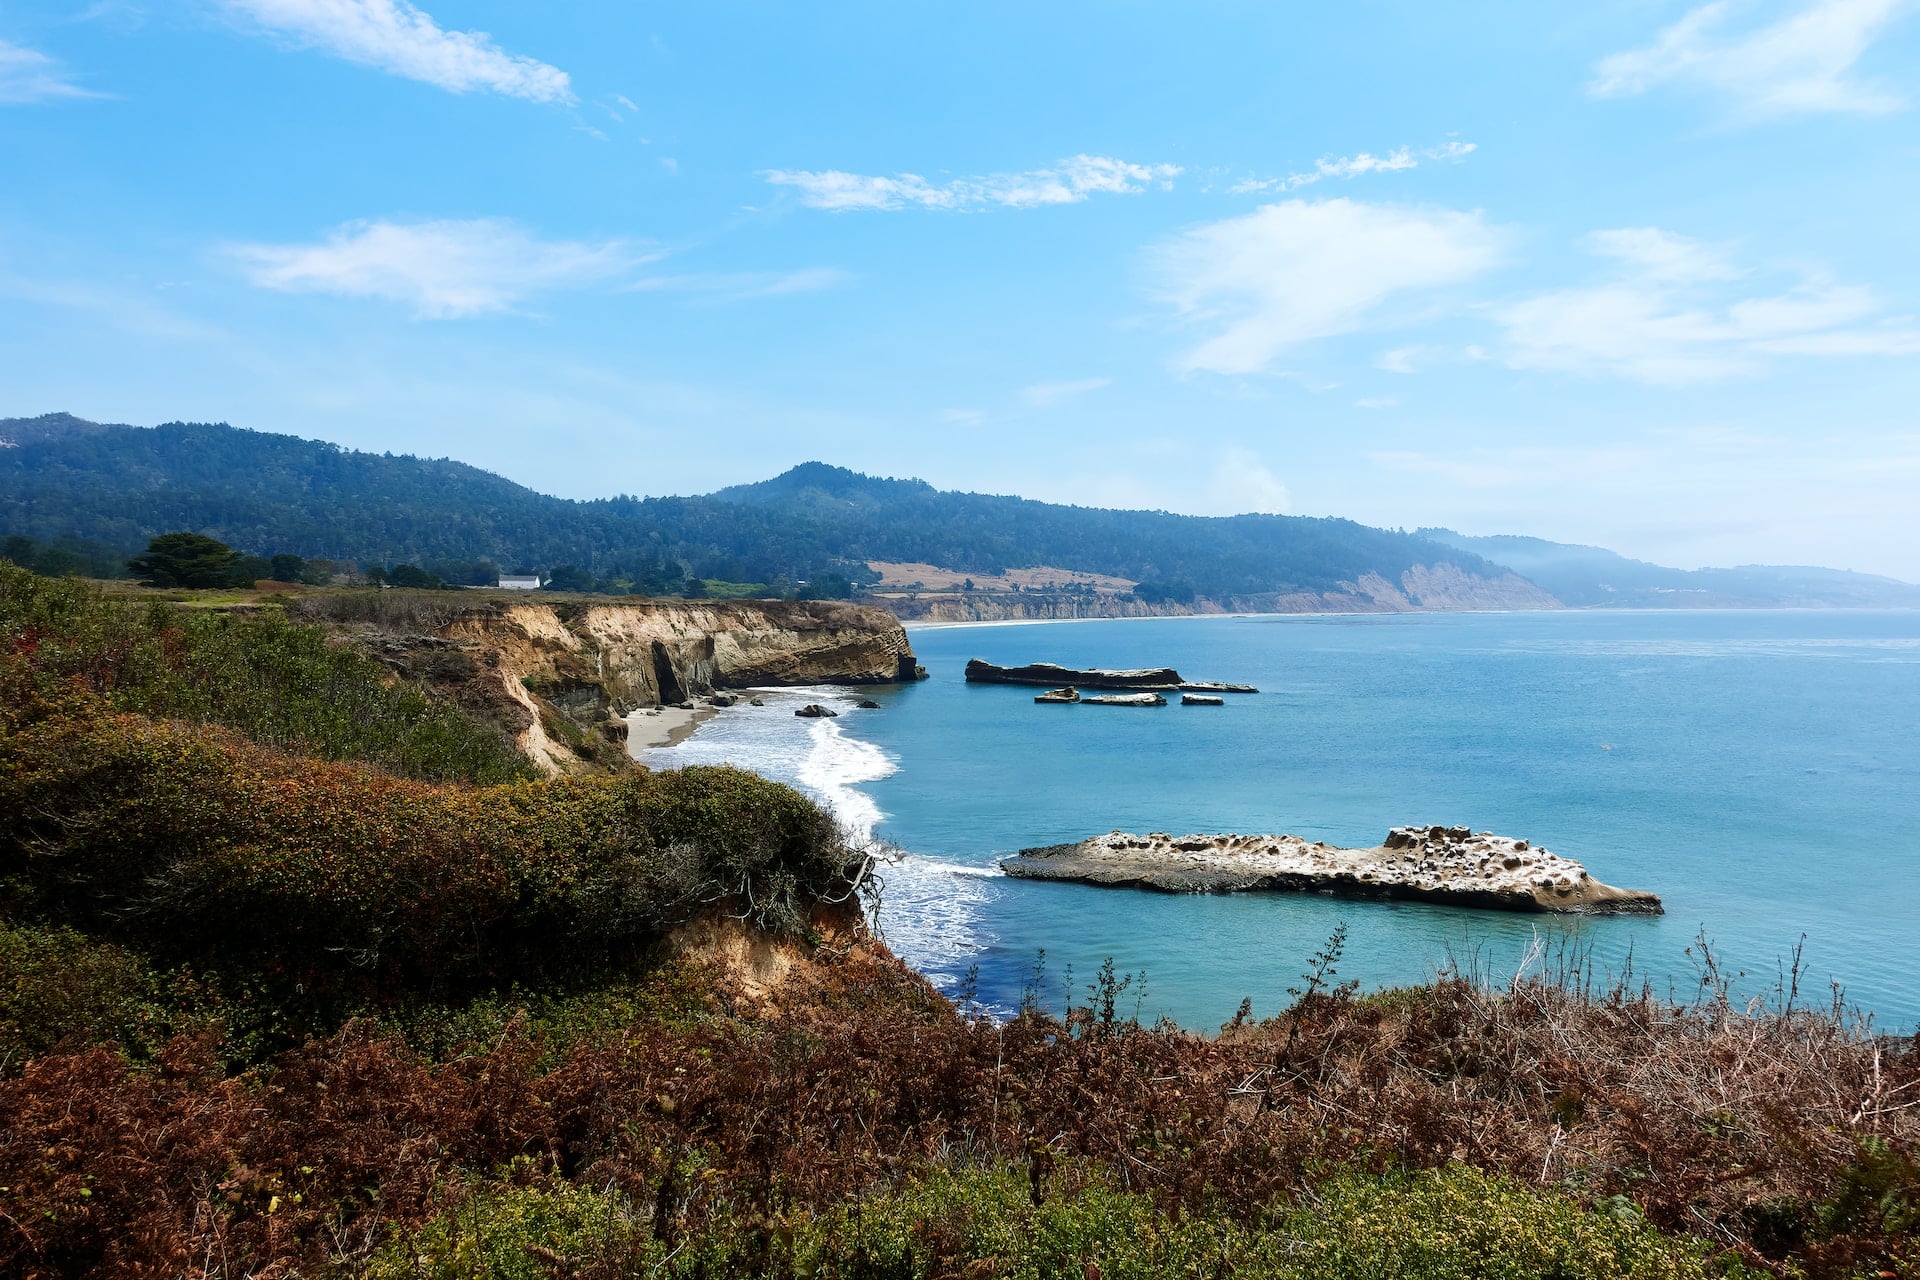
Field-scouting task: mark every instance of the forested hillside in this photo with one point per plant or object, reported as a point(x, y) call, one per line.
point(71, 483)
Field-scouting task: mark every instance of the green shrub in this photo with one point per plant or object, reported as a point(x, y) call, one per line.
point(523, 1233)
point(278, 683)
point(1460, 1223)
point(58, 990)
point(1454, 1224)
point(330, 878)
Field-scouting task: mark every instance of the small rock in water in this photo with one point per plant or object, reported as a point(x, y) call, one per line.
point(756, 702)
point(814, 711)
point(867, 704)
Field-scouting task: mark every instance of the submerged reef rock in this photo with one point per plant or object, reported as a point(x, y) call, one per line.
point(1451, 865)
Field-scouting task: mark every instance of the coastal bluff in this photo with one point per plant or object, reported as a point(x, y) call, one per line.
point(561, 677)
point(1450, 865)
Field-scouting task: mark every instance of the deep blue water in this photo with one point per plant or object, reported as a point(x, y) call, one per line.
point(1760, 771)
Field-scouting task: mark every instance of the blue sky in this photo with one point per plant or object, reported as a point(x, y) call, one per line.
point(1641, 274)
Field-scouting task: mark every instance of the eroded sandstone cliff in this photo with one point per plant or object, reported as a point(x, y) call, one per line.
point(561, 676)
point(1423, 588)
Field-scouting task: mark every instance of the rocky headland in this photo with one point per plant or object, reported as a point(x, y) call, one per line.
point(562, 676)
point(1048, 675)
point(1451, 865)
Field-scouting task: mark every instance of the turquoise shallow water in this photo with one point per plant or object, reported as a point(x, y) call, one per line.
point(1760, 771)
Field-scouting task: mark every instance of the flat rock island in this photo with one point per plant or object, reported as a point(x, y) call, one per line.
point(1451, 865)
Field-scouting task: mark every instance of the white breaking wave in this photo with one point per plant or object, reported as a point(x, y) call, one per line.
point(930, 914)
point(834, 770)
point(930, 911)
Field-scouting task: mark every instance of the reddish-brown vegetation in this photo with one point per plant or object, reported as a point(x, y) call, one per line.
point(1782, 1137)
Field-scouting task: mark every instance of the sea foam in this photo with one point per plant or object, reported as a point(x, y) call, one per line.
point(930, 912)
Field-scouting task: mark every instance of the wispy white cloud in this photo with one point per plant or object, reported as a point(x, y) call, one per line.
point(1803, 62)
point(1068, 182)
point(1670, 314)
point(1357, 166)
point(1292, 272)
point(737, 286)
point(440, 269)
point(1041, 394)
point(27, 75)
point(393, 36)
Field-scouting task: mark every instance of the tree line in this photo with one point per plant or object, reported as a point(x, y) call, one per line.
point(117, 487)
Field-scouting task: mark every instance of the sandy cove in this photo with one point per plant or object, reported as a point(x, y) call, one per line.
point(1451, 865)
point(665, 726)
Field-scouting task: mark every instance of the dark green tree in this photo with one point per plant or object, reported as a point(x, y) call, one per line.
point(571, 577)
point(412, 575)
point(827, 586)
point(186, 560)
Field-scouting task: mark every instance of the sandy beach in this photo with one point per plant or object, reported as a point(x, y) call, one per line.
point(663, 726)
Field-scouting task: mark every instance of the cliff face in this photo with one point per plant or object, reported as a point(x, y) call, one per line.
point(1423, 588)
point(562, 676)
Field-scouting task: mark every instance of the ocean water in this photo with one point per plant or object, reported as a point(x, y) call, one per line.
point(1759, 771)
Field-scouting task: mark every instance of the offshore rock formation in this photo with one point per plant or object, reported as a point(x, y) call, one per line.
point(561, 677)
point(1050, 675)
point(1450, 865)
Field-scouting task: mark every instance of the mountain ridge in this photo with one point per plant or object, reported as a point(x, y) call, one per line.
point(68, 481)
point(1587, 576)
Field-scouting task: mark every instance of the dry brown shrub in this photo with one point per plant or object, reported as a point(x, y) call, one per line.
point(1755, 1130)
